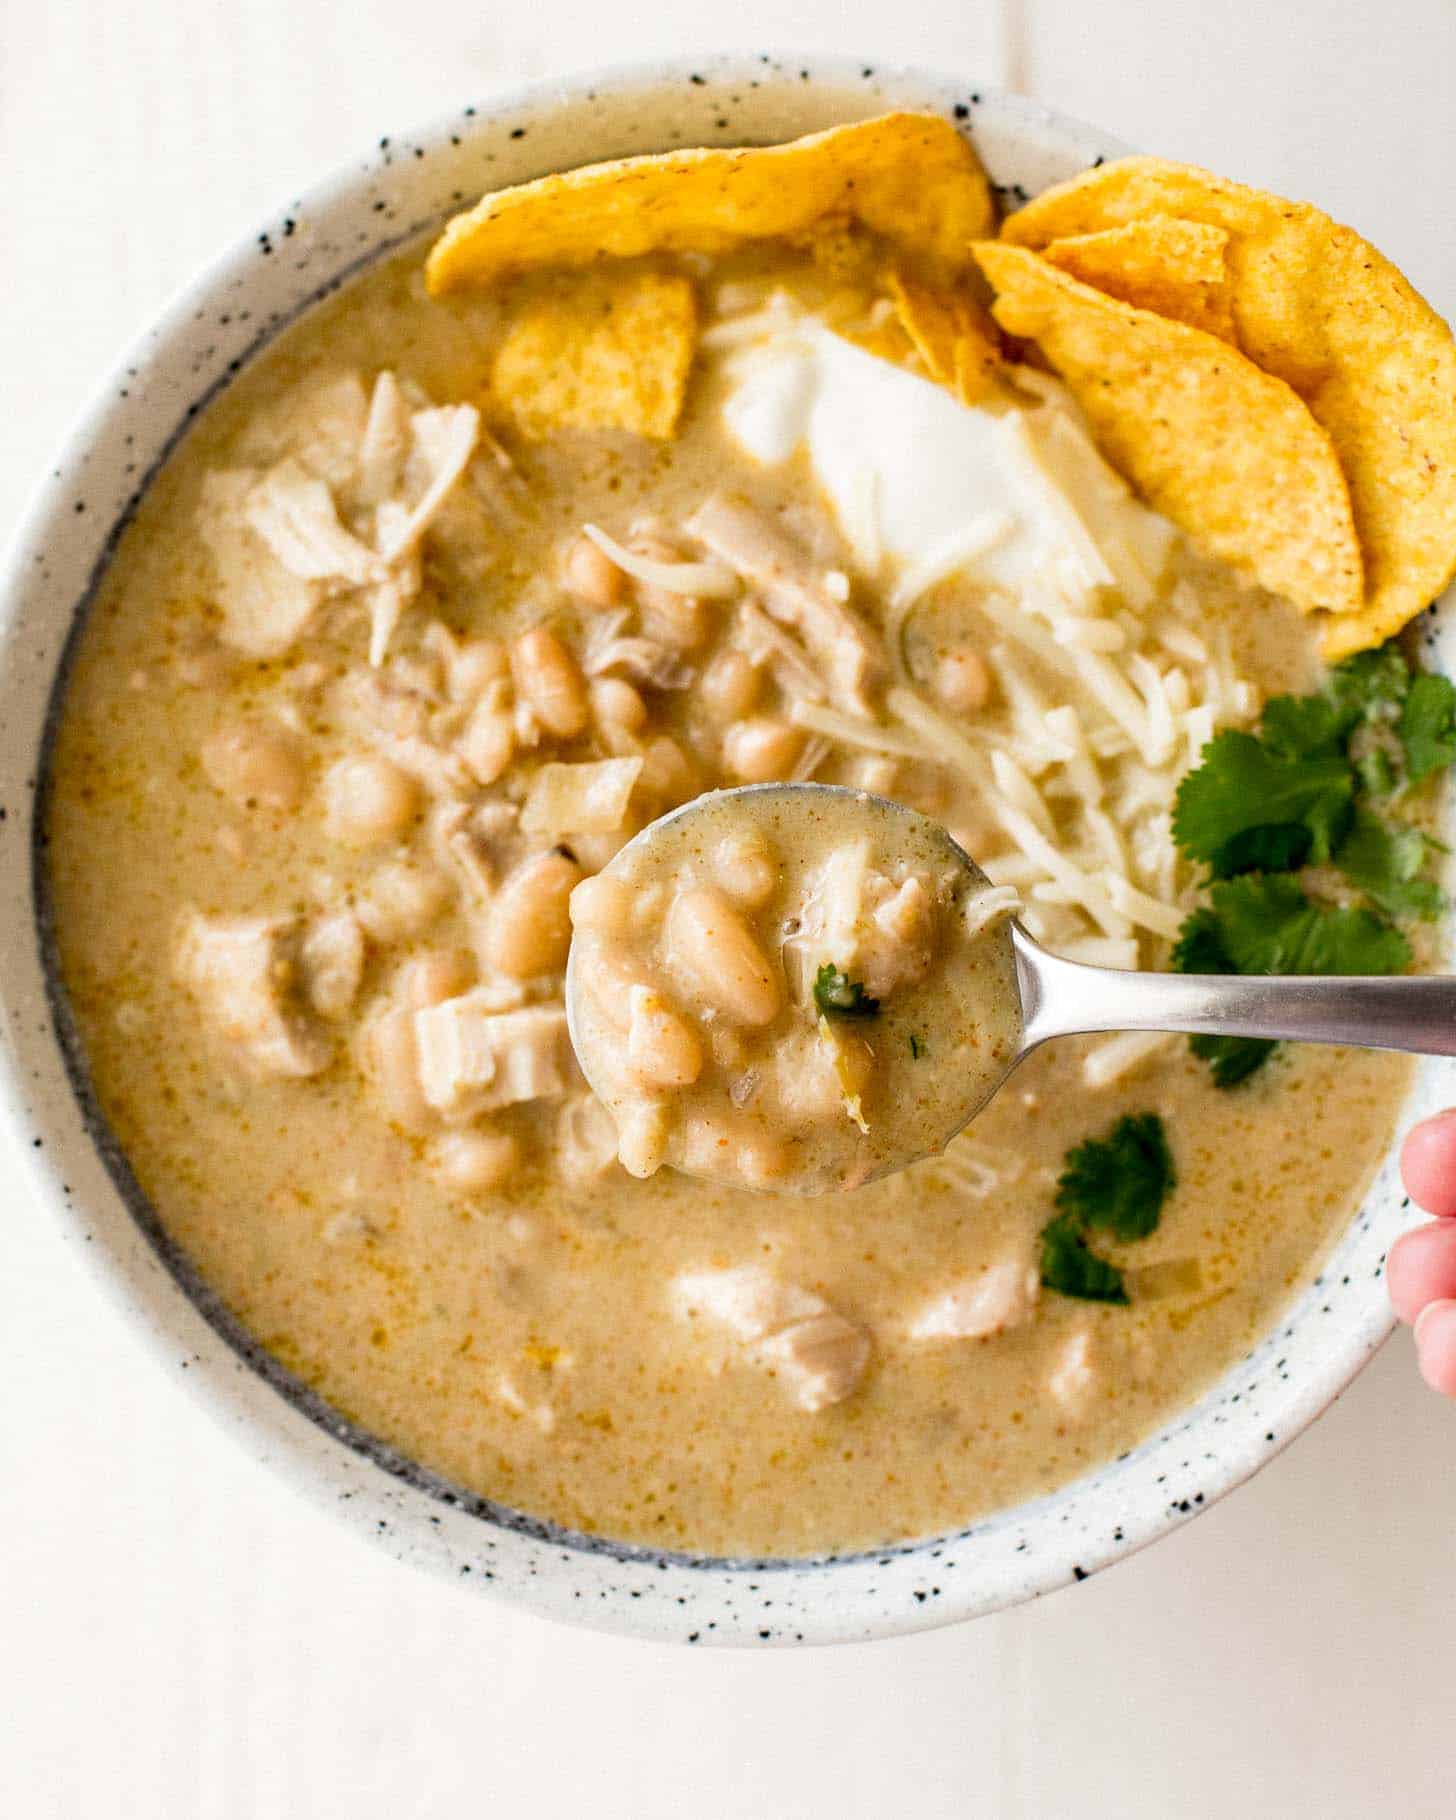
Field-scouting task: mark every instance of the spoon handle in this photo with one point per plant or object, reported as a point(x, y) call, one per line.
point(1064, 998)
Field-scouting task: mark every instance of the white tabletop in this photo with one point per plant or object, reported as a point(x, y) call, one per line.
point(180, 1637)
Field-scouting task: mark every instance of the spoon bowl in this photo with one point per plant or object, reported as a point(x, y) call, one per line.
point(993, 993)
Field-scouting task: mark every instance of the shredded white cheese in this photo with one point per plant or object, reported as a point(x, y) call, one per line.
point(704, 580)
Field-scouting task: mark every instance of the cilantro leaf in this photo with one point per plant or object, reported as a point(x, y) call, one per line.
point(1427, 726)
point(1277, 847)
point(1386, 859)
point(1303, 726)
point(837, 995)
point(1070, 1269)
point(1232, 1059)
point(1369, 686)
point(1122, 1180)
point(1268, 925)
point(1200, 949)
point(1243, 788)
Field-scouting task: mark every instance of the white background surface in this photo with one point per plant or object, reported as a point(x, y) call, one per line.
point(180, 1638)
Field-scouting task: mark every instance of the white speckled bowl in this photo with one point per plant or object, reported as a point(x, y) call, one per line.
point(79, 1177)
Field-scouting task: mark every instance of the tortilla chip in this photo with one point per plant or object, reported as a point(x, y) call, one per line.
point(1226, 451)
point(951, 333)
point(608, 351)
point(1174, 268)
point(885, 340)
point(911, 177)
point(1318, 307)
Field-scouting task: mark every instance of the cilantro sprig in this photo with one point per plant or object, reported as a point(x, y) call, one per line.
point(837, 995)
point(1387, 860)
point(1427, 726)
point(1200, 949)
point(1254, 807)
point(1070, 1268)
point(1298, 792)
point(1115, 1184)
point(1287, 796)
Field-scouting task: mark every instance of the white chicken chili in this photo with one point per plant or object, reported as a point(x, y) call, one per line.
point(380, 681)
point(791, 989)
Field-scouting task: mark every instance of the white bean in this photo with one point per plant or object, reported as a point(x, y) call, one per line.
point(616, 705)
point(762, 750)
point(591, 575)
point(254, 766)
point(745, 869)
point(963, 681)
point(730, 686)
point(872, 772)
point(712, 946)
point(529, 929)
point(662, 1047)
point(474, 666)
point(667, 773)
point(602, 904)
point(642, 1134)
point(550, 683)
point(488, 740)
point(402, 900)
point(368, 802)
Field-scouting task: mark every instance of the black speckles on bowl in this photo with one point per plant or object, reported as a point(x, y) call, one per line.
point(304, 251)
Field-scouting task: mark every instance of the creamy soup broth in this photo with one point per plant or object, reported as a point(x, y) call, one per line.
point(472, 1276)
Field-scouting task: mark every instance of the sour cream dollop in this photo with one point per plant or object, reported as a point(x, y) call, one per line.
point(933, 485)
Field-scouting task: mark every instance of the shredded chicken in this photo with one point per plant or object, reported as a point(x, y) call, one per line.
point(859, 920)
point(395, 720)
point(444, 439)
point(294, 514)
point(281, 539)
point(768, 646)
point(586, 1139)
point(819, 1354)
point(793, 593)
point(264, 607)
point(245, 973)
point(320, 421)
point(385, 443)
point(331, 959)
point(611, 650)
point(473, 1058)
point(1003, 1296)
point(1073, 1377)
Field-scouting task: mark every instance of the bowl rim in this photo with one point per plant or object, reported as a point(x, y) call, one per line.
point(70, 1168)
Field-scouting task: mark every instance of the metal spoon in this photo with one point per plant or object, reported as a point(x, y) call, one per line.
point(1065, 998)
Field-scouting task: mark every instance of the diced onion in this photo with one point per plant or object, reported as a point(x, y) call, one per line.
point(580, 799)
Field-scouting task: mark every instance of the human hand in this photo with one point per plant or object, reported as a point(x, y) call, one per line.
point(1421, 1269)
